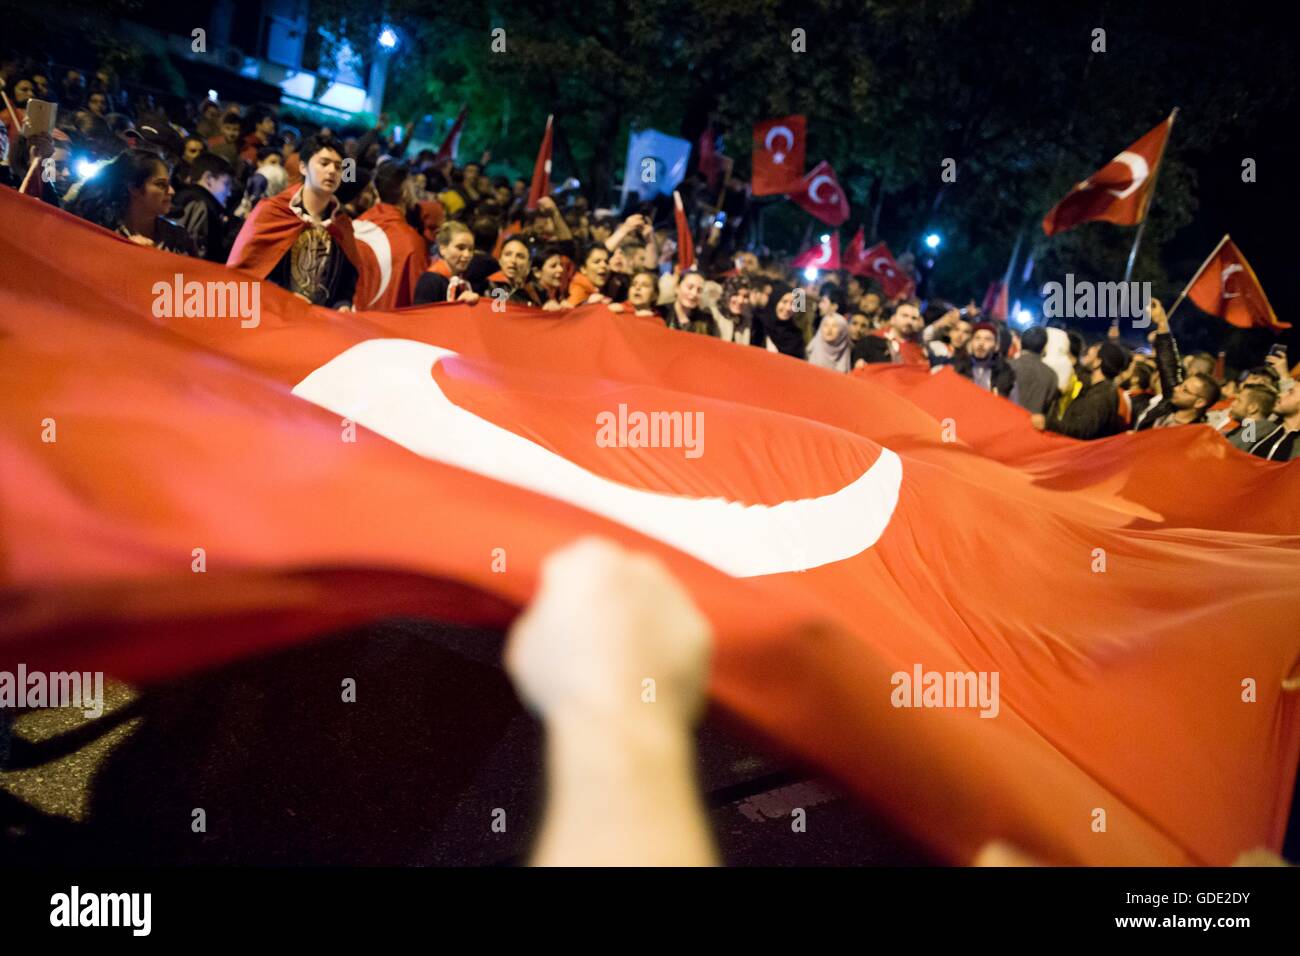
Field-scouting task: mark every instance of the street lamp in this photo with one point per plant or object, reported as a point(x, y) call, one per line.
point(933, 240)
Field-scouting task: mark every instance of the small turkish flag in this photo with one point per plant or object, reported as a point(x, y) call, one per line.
point(879, 264)
point(542, 169)
point(1119, 192)
point(451, 144)
point(819, 193)
point(824, 255)
point(995, 301)
point(778, 155)
point(1226, 287)
point(685, 245)
point(855, 257)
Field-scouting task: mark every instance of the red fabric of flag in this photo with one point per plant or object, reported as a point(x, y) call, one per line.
point(843, 534)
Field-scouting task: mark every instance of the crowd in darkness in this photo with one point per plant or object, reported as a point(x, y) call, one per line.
point(209, 179)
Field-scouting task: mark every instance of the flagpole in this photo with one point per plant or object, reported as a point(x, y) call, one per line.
point(1150, 196)
point(1208, 259)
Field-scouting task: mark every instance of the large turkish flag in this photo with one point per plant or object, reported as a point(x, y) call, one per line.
point(838, 531)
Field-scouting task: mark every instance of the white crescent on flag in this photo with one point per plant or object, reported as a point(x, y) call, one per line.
point(1139, 169)
point(818, 181)
point(377, 240)
point(778, 156)
point(881, 265)
point(1227, 272)
point(387, 385)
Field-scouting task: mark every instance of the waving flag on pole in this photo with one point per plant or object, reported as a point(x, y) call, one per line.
point(820, 194)
point(451, 144)
point(855, 257)
point(1227, 287)
point(685, 244)
point(656, 164)
point(779, 146)
point(995, 301)
point(1120, 191)
point(133, 435)
point(825, 256)
point(541, 185)
point(888, 274)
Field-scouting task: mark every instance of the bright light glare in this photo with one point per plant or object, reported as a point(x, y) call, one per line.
point(810, 274)
point(387, 39)
point(932, 240)
point(1024, 318)
point(87, 169)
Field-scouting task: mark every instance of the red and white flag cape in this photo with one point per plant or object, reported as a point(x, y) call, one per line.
point(1227, 287)
point(541, 185)
point(778, 156)
point(1120, 191)
point(400, 256)
point(854, 560)
point(819, 193)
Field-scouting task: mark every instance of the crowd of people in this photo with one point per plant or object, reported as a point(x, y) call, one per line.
point(310, 208)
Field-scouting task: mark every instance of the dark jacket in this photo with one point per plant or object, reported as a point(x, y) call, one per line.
point(1261, 432)
point(1037, 386)
point(198, 211)
point(1282, 445)
point(1170, 367)
point(1002, 375)
point(1094, 413)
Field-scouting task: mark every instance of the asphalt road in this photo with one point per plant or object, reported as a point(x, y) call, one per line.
point(413, 773)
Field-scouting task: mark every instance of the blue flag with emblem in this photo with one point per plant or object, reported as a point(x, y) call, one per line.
point(656, 163)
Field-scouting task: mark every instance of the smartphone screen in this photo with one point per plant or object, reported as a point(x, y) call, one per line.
point(40, 116)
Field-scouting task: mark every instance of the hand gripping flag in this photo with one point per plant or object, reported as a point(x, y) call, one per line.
point(1120, 191)
point(1227, 287)
point(839, 540)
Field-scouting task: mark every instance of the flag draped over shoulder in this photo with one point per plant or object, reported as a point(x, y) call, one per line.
point(891, 524)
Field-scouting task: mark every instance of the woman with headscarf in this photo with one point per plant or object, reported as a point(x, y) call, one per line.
point(445, 281)
point(783, 333)
point(830, 345)
point(131, 196)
